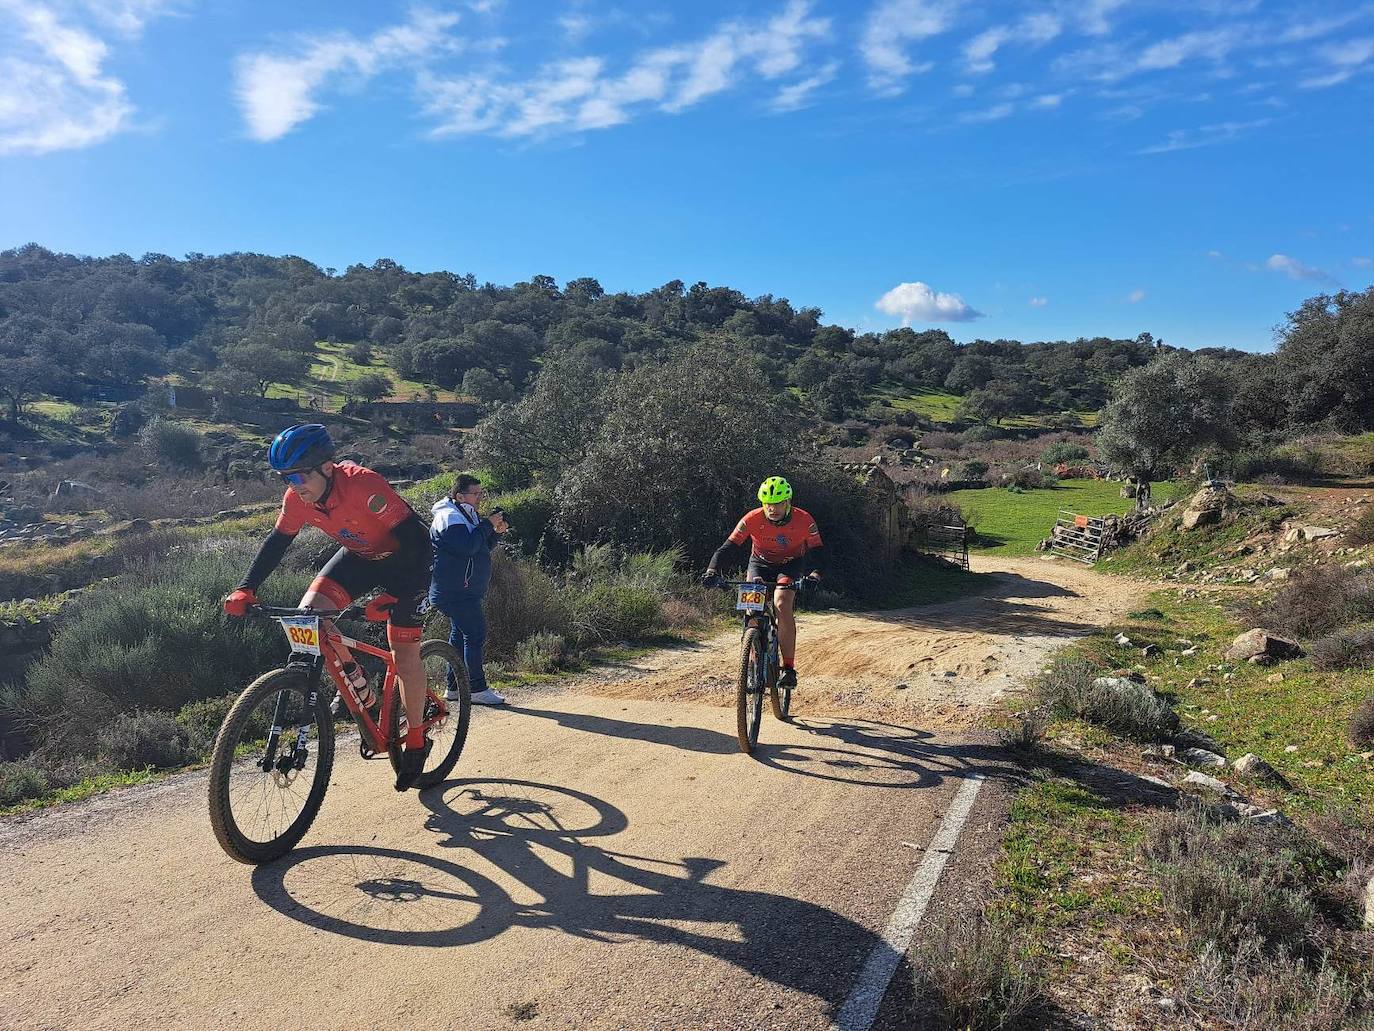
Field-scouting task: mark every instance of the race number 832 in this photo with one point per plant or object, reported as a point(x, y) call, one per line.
point(306, 636)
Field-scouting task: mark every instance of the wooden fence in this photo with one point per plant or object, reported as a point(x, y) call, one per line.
point(1078, 537)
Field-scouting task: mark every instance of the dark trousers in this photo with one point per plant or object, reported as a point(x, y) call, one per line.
point(468, 634)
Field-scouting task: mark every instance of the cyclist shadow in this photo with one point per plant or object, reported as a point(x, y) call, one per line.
point(537, 836)
point(871, 753)
point(686, 737)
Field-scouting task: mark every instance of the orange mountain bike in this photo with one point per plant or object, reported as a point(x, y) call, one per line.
point(275, 750)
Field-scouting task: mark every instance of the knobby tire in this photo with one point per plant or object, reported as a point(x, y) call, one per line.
point(233, 838)
point(747, 716)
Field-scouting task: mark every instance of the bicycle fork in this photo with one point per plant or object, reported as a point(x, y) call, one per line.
point(294, 759)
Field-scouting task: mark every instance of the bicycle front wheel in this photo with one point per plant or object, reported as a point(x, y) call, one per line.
point(270, 767)
point(749, 698)
point(445, 674)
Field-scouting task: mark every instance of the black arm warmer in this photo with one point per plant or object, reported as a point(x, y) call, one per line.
point(412, 535)
point(266, 560)
point(720, 554)
point(816, 560)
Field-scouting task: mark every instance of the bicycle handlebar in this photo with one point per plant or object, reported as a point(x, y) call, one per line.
point(271, 611)
point(795, 585)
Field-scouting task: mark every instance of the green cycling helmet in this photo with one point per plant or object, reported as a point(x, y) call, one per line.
point(775, 490)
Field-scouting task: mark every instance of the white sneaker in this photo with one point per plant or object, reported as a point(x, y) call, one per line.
point(488, 697)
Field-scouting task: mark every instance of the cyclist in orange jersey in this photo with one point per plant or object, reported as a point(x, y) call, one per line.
point(784, 543)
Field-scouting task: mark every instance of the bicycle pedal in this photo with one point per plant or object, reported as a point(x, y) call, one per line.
point(368, 753)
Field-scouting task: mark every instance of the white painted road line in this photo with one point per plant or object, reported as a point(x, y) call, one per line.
point(861, 1008)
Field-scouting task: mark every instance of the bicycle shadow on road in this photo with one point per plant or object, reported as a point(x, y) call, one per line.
point(537, 836)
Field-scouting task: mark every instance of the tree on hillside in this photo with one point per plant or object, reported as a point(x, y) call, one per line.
point(671, 430)
point(1326, 356)
point(1163, 414)
point(486, 387)
point(371, 386)
point(30, 362)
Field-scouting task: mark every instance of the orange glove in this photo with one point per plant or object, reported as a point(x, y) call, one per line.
point(237, 603)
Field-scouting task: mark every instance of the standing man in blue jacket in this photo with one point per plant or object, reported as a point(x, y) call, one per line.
point(463, 541)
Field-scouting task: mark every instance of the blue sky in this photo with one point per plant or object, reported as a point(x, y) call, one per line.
point(1040, 170)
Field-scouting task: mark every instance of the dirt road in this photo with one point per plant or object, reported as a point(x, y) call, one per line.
point(604, 858)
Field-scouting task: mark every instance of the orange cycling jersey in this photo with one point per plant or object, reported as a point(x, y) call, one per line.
point(778, 542)
point(360, 511)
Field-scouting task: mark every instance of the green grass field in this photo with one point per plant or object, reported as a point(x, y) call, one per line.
point(1012, 524)
point(940, 406)
point(332, 371)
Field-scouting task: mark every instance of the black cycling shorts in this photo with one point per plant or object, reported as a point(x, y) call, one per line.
point(768, 572)
point(347, 575)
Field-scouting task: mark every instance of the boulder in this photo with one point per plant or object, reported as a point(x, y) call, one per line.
point(1262, 642)
point(1193, 518)
point(1202, 782)
point(73, 488)
point(1252, 766)
point(1262, 817)
point(1203, 758)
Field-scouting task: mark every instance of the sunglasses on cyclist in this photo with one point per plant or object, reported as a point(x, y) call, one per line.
point(296, 478)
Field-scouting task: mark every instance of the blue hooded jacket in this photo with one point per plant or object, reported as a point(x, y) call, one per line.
point(462, 552)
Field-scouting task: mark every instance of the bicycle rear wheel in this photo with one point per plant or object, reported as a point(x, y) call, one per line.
point(749, 697)
point(444, 671)
point(780, 697)
point(262, 804)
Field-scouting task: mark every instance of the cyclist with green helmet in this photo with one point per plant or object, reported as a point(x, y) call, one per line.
point(785, 548)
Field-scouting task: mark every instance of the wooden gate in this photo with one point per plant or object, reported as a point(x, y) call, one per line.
point(950, 542)
point(1078, 537)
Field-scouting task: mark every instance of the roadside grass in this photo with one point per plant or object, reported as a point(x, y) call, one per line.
point(1012, 523)
point(87, 787)
point(1249, 708)
point(31, 610)
point(1120, 899)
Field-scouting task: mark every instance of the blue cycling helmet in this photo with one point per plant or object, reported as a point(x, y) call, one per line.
point(303, 446)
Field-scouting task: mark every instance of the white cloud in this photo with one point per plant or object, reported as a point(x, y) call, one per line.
point(1214, 253)
point(1093, 15)
point(55, 90)
point(916, 302)
point(1346, 59)
point(1361, 262)
point(278, 91)
point(891, 26)
point(1135, 297)
point(990, 114)
point(1048, 100)
point(1032, 30)
point(1295, 269)
point(1039, 302)
point(1204, 136)
point(582, 95)
point(798, 94)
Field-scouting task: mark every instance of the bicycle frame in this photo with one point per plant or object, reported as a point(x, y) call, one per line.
point(331, 639)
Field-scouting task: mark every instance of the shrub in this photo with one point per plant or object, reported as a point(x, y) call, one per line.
point(1025, 732)
point(371, 386)
point(541, 653)
point(529, 513)
point(154, 639)
point(1345, 649)
point(1317, 599)
point(137, 740)
point(979, 435)
point(971, 978)
point(202, 722)
point(360, 353)
point(171, 443)
point(973, 469)
point(1229, 882)
point(1250, 989)
point(1361, 730)
point(1362, 532)
point(1285, 465)
point(1072, 687)
point(1030, 478)
point(611, 611)
point(22, 780)
point(1063, 453)
point(941, 440)
point(521, 601)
